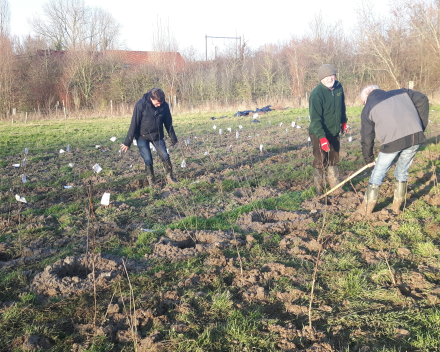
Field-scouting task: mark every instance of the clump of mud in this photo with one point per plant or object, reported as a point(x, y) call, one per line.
point(180, 245)
point(335, 203)
point(273, 221)
point(73, 275)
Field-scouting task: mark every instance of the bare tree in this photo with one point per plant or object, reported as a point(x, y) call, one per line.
point(5, 18)
point(70, 24)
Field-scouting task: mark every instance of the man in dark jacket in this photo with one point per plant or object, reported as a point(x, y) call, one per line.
point(150, 114)
point(397, 118)
point(327, 120)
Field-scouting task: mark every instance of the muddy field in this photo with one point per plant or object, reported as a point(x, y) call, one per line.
point(226, 259)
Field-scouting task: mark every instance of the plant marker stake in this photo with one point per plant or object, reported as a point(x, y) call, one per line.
point(220, 131)
point(23, 162)
point(105, 200)
point(255, 116)
point(236, 134)
point(135, 142)
point(25, 151)
point(350, 138)
point(229, 129)
point(71, 164)
point(206, 153)
point(97, 168)
point(281, 124)
point(68, 147)
point(261, 148)
point(214, 127)
point(113, 139)
point(20, 199)
point(62, 151)
point(348, 179)
point(23, 178)
point(16, 165)
point(298, 126)
point(293, 123)
point(240, 127)
point(286, 130)
point(183, 164)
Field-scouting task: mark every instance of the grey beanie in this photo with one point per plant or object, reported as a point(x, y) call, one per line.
point(325, 71)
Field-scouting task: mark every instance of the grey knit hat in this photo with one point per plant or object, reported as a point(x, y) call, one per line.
point(325, 71)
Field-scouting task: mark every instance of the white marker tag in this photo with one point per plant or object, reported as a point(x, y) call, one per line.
point(120, 152)
point(168, 151)
point(105, 200)
point(298, 126)
point(25, 151)
point(62, 151)
point(23, 162)
point(229, 129)
point(97, 168)
point(237, 134)
point(20, 199)
point(153, 148)
point(113, 139)
point(308, 139)
point(206, 153)
point(97, 146)
point(255, 116)
point(23, 178)
point(220, 131)
point(214, 127)
point(281, 124)
point(16, 165)
point(299, 118)
point(293, 123)
point(286, 130)
point(261, 147)
point(350, 139)
point(71, 164)
point(147, 230)
point(195, 182)
point(130, 166)
point(249, 136)
point(68, 147)
point(183, 164)
point(187, 141)
point(135, 142)
point(240, 127)
point(68, 187)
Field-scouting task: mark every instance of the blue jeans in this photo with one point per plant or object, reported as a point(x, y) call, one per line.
point(144, 149)
point(385, 160)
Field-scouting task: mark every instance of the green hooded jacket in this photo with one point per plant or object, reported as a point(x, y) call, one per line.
point(327, 110)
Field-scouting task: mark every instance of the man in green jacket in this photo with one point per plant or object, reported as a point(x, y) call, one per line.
point(327, 120)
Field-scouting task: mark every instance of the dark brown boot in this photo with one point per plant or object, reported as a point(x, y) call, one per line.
point(370, 200)
point(333, 178)
point(318, 178)
point(399, 196)
point(150, 175)
point(169, 172)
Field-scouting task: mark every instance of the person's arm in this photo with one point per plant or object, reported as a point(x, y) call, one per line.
point(421, 102)
point(169, 126)
point(343, 109)
point(367, 136)
point(316, 111)
point(135, 119)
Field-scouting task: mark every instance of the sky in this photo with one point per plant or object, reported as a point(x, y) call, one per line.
point(259, 21)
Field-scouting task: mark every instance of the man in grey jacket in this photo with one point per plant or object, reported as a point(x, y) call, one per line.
point(397, 118)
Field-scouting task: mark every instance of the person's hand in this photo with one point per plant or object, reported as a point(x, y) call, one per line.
point(124, 148)
point(325, 145)
point(344, 128)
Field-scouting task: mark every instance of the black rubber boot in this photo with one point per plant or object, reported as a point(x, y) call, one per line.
point(318, 177)
point(149, 170)
point(169, 172)
point(399, 195)
point(370, 199)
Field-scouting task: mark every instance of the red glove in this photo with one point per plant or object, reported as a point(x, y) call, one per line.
point(344, 128)
point(325, 144)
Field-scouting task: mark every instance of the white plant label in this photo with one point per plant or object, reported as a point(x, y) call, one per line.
point(261, 147)
point(220, 131)
point(350, 139)
point(214, 127)
point(299, 118)
point(23, 178)
point(230, 148)
point(153, 148)
point(255, 116)
point(130, 166)
point(113, 139)
point(195, 182)
point(135, 142)
point(25, 151)
point(229, 129)
point(16, 165)
point(187, 141)
point(97, 168)
point(62, 151)
point(105, 200)
point(120, 152)
point(293, 123)
point(268, 125)
point(281, 124)
point(23, 162)
point(97, 146)
point(183, 164)
point(206, 153)
point(168, 151)
point(71, 164)
point(240, 127)
point(298, 126)
point(237, 134)
point(148, 230)
point(286, 130)
point(68, 148)
point(68, 187)
point(20, 199)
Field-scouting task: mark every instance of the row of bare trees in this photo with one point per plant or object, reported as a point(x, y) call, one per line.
point(390, 50)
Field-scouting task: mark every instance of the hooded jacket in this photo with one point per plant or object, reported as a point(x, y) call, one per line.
point(397, 118)
point(147, 122)
point(327, 110)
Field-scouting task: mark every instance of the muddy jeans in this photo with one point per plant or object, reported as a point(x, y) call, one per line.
point(323, 158)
